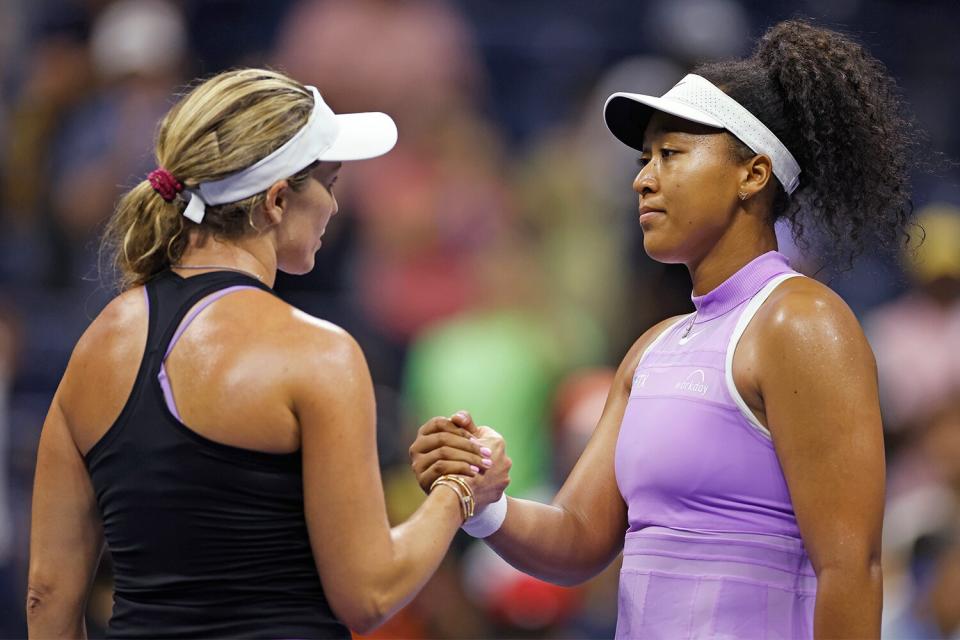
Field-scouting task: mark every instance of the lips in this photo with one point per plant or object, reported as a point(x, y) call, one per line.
point(648, 214)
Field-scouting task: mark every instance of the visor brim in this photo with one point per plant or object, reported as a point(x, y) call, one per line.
point(361, 136)
point(627, 115)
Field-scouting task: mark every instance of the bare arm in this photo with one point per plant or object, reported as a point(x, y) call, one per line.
point(368, 570)
point(579, 534)
point(66, 537)
point(819, 389)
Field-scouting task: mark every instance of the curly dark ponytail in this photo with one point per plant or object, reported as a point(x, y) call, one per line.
point(839, 112)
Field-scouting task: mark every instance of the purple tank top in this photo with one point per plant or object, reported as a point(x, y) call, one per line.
point(690, 454)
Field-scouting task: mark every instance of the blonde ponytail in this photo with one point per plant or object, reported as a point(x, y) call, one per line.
point(223, 125)
point(145, 235)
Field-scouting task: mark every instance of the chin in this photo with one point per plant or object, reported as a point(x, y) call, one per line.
point(298, 267)
point(658, 249)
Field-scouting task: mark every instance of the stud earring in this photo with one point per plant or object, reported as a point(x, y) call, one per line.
point(742, 195)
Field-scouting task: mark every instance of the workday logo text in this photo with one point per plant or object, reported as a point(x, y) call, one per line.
point(694, 383)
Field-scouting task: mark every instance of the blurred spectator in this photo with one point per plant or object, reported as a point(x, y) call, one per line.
point(425, 215)
point(439, 197)
point(574, 191)
point(696, 30)
point(916, 337)
point(419, 65)
point(138, 48)
point(577, 406)
point(55, 76)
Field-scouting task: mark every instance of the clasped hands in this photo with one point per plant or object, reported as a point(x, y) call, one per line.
point(457, 446)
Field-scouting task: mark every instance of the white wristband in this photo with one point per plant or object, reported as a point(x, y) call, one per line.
point(487, 520)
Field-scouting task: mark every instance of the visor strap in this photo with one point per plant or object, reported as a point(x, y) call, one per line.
point(699, 93)
point(307, 145)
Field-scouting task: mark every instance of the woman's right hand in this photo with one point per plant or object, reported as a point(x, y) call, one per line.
point(457, 446)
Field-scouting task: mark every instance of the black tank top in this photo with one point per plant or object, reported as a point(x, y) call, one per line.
point(208, 540)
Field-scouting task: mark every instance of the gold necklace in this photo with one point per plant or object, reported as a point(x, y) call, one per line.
point(216, 267)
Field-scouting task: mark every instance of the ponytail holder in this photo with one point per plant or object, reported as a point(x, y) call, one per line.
point(165, 184)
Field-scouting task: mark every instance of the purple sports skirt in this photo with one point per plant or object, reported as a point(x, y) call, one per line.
point(681, 584)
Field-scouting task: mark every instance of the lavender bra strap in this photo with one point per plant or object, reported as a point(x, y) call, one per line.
point(203, 304)
point(162, 376)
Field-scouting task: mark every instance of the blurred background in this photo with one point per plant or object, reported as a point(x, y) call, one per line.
point(493, 261)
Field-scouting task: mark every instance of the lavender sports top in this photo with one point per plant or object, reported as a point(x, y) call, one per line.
point(690, 454)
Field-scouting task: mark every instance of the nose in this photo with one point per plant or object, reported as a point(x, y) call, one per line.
point(646, 180)
point(336, 205)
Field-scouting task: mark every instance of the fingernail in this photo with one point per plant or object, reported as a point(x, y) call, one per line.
point(487, 462)
point(475, 469)
point(474, 440)
point(485, 451)
point(461, 414)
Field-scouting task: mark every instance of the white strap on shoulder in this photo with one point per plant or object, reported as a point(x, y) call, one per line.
point(661, 336)
point(745, 317)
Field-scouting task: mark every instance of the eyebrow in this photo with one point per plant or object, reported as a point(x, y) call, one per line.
point(665, 132)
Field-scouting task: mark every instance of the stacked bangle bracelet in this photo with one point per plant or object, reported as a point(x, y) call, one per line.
point(463, 491)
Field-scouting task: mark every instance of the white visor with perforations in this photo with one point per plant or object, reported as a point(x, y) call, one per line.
point(326, 136)
point(697, 99)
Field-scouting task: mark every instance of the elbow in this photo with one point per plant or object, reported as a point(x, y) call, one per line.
point(38, 601)
point(365, 623)
point(363, 613)
point(42, 604)
point(52, 611)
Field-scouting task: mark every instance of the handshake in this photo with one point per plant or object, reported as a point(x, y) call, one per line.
point(471, 460)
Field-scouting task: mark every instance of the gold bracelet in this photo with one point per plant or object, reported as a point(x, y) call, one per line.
point(471, 502)
point(452, 487)
point(463, 490)
point(461, 498)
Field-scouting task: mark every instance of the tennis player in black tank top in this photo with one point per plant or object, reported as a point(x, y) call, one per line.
point(219, 441)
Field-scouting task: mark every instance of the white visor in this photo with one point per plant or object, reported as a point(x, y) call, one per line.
point(325, 136)
point(698, 100)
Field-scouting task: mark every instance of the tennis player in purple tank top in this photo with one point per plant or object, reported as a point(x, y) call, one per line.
point(738, 463)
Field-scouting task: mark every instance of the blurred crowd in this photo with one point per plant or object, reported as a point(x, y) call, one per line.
point(493, 261)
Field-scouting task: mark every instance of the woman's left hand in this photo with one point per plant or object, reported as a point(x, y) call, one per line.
point(458, 446)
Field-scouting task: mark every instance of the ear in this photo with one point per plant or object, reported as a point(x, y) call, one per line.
point(758, 171)
point(275, 201)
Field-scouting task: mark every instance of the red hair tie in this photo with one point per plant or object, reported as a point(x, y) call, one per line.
point(165, 184)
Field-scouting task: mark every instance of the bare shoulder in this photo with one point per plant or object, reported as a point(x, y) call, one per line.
point(317, 350)
point(124, 318)
point(280, 325)
point(118, 331)
point(806, 318)
point(103, 367)
point(331, 390)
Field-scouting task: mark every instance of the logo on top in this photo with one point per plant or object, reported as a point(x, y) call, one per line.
point(695, 382)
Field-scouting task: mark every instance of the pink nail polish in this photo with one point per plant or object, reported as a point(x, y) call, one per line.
point(475, 469)
point(487, 462)
point(485, 451)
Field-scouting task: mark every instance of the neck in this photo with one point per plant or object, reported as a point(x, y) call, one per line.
point(728, 255)
point(249, 256)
